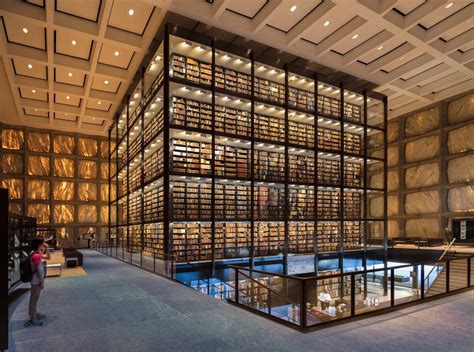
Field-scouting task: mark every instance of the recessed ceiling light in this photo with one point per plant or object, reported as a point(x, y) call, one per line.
point(116, 53)
point(449, 5)
point(25, 30)
point(326, 23)
point(402, 58)
point(73, 42)
point(33, 91)
point(380, 47)
point(36, 109)
point(106, 82)
point(99, 102)
point(93, 119)
point(293, 8)
point(355, 36)
point(67, 97)
point(131, 12)
point(70, 74)
point(30, 66)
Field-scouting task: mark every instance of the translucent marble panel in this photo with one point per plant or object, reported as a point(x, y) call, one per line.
point(422, 202)
point(392, 156)
point(38, 166)
point(12, 164)
point(461, 139)
point(38, 142)
point(422, 176)
point(420, 227)
point(12, 139)
point(392, 205)
point(393, 228)
point(376, 181)
point(63, 190)
point(63, 213)
point(104, 214)
point(461, 109)
point(39, 211)
point(104, 145)
point(87, 213)
point(392, 132)
point(104, 171)
point(422, 122)
point(422, 149)
point(104, 192)
point(87, 169)
point(392, 181)
point(63, 167)
point(65, 234)
point(87, 191)
point(461, 199)
point(461, 169)
point(15, 208)
point(375, 140)
point(14, 186)
point(376, 207)
point(38, 189)
point(63, 144)
point(87, 147)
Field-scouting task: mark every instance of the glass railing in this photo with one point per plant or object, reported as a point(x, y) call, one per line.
point(341, 296)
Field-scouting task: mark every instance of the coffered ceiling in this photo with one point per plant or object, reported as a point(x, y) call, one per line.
point(68, 63)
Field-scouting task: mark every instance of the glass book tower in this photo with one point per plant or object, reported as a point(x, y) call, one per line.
point(218, 155)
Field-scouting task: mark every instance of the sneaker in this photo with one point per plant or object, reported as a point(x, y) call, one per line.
point(32, 323)
point(40, 316)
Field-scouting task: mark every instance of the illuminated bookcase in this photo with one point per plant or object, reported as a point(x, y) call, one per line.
point(220, 155)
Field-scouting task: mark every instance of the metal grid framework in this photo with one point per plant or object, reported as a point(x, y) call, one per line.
point(121, 231)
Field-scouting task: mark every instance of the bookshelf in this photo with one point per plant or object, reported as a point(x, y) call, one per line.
point(219, 156)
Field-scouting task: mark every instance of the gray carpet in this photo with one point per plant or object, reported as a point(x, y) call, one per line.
point(118, 307)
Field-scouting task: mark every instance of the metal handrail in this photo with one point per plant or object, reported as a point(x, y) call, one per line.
point(439, 259)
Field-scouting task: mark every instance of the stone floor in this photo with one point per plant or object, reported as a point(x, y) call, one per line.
point(118, 307)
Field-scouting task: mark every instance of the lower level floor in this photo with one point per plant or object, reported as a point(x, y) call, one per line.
point(119, 307)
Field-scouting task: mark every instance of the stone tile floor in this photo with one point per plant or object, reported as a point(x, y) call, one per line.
point(118, 307)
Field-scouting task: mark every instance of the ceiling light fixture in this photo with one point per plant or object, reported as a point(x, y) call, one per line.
point(293, 8)
point(326, 23)
point(99, 102)
point(116, 53)
point(106, 82)
point(33, 91)
point(355, 36)
point(449, 5)
point(70, 74)
point(380, 47)
point(73, 42)
point(25, 30)
point(131, 12)
point(30, 66)
point(68, 97)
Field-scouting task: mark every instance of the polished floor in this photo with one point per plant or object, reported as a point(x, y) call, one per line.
point(118, 307)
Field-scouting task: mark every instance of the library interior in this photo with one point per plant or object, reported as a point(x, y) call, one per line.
point(236, 174)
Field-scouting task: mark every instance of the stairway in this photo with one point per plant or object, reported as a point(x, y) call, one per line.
point(457, 278)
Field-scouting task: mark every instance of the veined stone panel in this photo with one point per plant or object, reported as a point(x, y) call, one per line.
point(12, 139)
point(376, 140)
point(14, 186)
point(422, 149)
point(63, 213)
point(392, 132)
point(422, 122)
point(15, 208)
point(38, 142)
point(461, 139)
point(422, 176)
point(461, 109)
point(422, 227)
point(392, 209)
point(461, 199)
point(63, 167)
point(39, 211)
point(392, 181)
point(87, 191)
point(63, 190)
point(63, 144)
point(376, 207)
point(12, 164)
point(38, 165)
point(461, 169)
point(87, 147)
point(392, 158)
point(87, 213)
point(38, 189)
point(422, 202)
point(393, 228)
point(376, 180)
point(87, 169)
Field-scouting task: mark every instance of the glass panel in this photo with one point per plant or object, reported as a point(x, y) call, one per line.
point(63, 190)
point(472, 271)
point(63, 144)
point(435, 279)
point(38, 166)
point(63, 167)
point(406, 284)
point(12, 164)
point(373, 295)
point(457, 274)
point(87, 147)
point(14, 186)
point(87, 213)
point(63, 213)
point(12, 139)
point(87, 191)
point(39, 211)
point(87, 169)
point(38, 142)
point(38, 189)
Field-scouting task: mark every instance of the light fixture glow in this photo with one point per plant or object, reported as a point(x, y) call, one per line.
point(449, 5)
point(67, 97)
point(131, 12)
point(355, 36)
point(73, 42)
point(380, 47)
point(293, 8)
point(30, 66)
point(326, 23)
point(33, 91)
point(99, 102)
point(25, 30)
point(106, 82)
point(70, 74)
point(116, 53)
